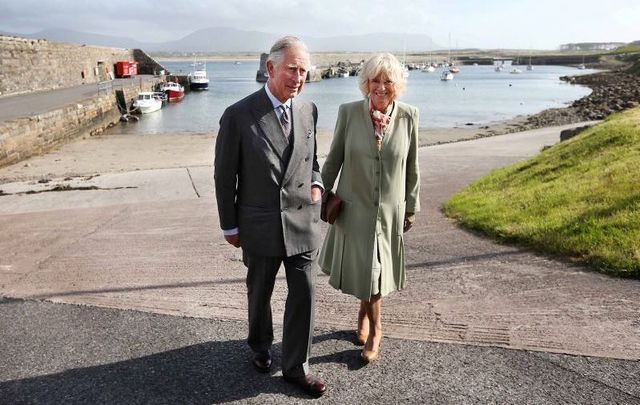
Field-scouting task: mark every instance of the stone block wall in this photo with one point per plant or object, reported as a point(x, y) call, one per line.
point(29, 136)
point(28, 65)
point(146, 64)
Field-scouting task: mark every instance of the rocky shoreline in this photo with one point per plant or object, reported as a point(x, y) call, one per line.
point(613, 91)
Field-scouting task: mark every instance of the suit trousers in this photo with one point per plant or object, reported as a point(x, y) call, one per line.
point(297, 332)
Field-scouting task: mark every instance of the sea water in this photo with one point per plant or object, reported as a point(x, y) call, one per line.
point(477, 95)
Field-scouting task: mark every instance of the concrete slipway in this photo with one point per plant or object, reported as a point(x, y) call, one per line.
point(158, 303)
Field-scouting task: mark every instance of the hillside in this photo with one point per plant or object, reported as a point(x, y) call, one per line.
point(579, 199)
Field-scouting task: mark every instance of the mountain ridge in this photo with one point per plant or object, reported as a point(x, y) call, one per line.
point(236, 40)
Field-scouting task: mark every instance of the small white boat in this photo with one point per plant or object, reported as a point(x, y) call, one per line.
point(515, 70)
point(499, 68)
point(529, 67)
point(147, 102)
point(446, 75)
point(582, 65)
point(454, 69)
point(405, 71)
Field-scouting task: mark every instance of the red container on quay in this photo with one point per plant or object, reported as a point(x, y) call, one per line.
point(125, 68)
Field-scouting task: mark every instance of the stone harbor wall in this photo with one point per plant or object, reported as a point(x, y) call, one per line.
point(28, 65)
point(32, 65)
point(29, 136)
point(146, 64)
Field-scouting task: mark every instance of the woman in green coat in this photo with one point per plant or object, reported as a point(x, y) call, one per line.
point(374, 148)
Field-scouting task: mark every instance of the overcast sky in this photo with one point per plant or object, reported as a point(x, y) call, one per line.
point(541, 24)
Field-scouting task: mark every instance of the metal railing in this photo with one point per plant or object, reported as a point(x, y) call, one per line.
point(105, 86)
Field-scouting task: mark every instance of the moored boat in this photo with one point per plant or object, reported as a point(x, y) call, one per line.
point(446, 75)
point(147, 102)
point(173, 90)
point(198, 79)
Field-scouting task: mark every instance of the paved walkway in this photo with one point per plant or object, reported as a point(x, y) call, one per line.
point(25, 105)
point(148, 240)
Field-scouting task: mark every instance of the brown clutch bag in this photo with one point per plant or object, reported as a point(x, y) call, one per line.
point(331, 207)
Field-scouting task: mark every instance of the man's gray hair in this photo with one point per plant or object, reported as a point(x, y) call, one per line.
point(284, 43)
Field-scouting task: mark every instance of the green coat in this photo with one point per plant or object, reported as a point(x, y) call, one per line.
point(377, 189)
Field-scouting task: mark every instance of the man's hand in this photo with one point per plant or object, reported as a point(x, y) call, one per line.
point(316, 193)
point(233, 239)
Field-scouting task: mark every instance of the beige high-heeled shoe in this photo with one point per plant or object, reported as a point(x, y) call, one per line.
point(369, 356)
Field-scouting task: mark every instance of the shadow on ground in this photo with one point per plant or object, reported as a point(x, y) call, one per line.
point(205, 373)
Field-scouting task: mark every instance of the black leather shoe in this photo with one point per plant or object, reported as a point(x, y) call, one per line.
point(309, 384)
point(262, 362)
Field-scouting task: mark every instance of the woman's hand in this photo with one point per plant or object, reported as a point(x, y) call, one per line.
point(409, 219)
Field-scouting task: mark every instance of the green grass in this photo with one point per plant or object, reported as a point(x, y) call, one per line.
point(579, 199)
point(631, 48)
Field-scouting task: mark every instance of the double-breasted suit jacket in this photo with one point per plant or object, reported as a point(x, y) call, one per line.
point(263, 181)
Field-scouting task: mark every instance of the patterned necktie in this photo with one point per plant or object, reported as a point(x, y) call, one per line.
point(285, 122)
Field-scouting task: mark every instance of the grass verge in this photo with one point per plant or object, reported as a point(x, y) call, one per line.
point(579, 199)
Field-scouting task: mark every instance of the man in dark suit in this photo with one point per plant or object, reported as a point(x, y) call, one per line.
point(268, 189)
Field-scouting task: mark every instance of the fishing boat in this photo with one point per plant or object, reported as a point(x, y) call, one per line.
point(198, 79)
point(147, 102)
point(173, 90)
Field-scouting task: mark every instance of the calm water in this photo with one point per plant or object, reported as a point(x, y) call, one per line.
point(477, 95)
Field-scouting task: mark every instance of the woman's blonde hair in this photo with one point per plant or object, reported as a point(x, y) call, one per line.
point(382, 63)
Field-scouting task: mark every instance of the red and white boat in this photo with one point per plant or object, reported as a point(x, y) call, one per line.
point(173, 90)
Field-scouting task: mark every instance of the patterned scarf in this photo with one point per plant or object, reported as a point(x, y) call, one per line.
point(380, 122)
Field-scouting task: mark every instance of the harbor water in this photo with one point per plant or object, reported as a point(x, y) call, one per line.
point(477, 95)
